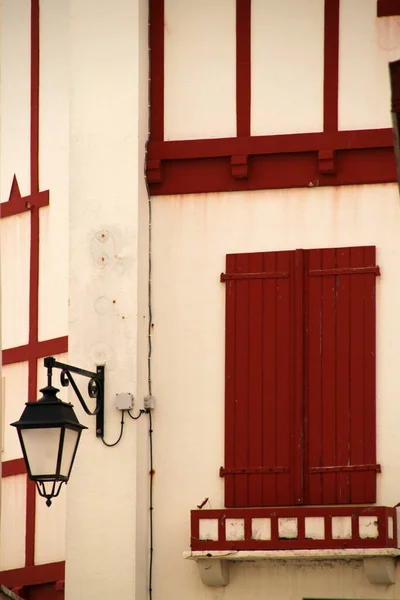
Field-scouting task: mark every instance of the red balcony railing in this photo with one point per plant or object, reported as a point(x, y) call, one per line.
point(294, 528)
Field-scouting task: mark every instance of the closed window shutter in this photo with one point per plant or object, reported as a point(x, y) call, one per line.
point(340, 376)
point(259, 436)
point(300, 378)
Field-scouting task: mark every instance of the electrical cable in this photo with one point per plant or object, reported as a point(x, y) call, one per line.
point(141, 412)
point(151, 505)
point(120, 434)
point(150, 323)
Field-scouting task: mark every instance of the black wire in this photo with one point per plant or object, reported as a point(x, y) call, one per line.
point(120, 434)
point(151, 504)
point(141, 411)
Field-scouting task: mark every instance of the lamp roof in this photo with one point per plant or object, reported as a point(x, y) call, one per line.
point(48, 411)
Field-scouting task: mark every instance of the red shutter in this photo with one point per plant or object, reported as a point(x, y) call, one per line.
point(340, 376)
point(260, 420)
point(300, 378)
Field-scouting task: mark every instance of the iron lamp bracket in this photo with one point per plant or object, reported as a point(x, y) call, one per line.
point(95, 387)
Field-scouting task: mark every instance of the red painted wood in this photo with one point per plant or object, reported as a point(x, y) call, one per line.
point(156, 33)
point(259, 444)
point(33, 575)
point(276, 171)
point(13, 467)
point(230, 380)
point(284, 377)
point(369, 348)
point(297, 143)
point(35, 350)
point(331, 65)
point(358, 400)
point(270, 388)
point(313, 368)
point(343, 373)
point(34, 151)
point(382, 513)
point(297, 369)
point(256, 414)
point(242, 398)
point(330, 428)
point(243, 67)
point(341, 407)
point(301, 413)
point(388, 8)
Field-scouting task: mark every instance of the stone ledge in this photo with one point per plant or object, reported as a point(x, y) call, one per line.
point(379, 563)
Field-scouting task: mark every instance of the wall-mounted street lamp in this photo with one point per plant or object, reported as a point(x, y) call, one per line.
point(49, 430)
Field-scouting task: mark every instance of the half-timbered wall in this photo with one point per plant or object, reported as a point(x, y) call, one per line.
point(34, 251)
point(279, 95)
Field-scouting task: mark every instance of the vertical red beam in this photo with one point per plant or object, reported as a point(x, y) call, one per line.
point(34, 262)
point(331, 65)
point(156, 34)
point(34, 96)
point(243, 67)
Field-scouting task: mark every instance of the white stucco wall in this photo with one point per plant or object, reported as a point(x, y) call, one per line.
point(199, 100)
point(287, 94)
point(107, 197)
point(366, 45)
point(12, 526)
point(15, 257)
point(191, 236)
point(53, 168)
point(15, 54)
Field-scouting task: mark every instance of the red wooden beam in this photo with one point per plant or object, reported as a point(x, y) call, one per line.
point(33, 575)
point(388, 8)
point(13, 467)
point(331, 65)
point(270, 144)
point(156, 33)
point(243, 67)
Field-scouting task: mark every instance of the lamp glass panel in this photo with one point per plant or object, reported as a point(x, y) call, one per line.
point(70, 442)
point(41, 447)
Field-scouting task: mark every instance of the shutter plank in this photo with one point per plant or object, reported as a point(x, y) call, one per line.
point(357, 376)
point(230, 380)
point(370, 377)
point(284, 378)
point(343, 375)
point(314, 377)
point(242, 397)
point(328, 370)
point(255, 404)
point(270, 389)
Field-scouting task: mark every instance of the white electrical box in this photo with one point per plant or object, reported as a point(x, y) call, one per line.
point(124, 401)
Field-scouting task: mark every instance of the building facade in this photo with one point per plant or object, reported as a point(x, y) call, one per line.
point(202, 196)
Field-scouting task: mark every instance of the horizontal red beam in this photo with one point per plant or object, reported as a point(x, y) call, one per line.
point(271, 144)
point(13, 467)
point(388, 8)
point(34, 575)
point(276, 171)
point(35, 350)
point(23, 204)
